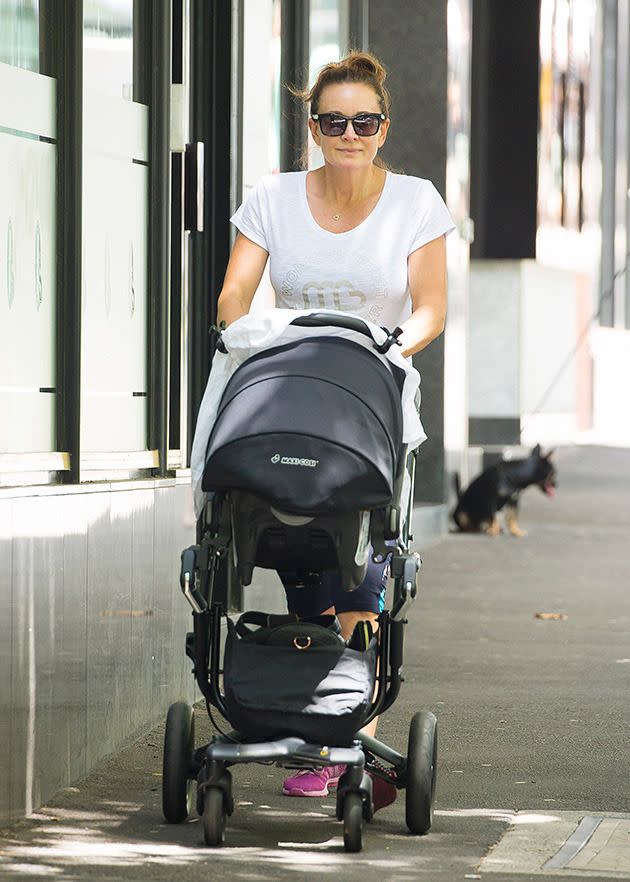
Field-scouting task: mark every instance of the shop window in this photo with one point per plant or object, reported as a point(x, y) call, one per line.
point(328, 33)
point(28, 156)
point(115, 237)
point(328, 41)
point(261, 105)
point(261, 90)
point(568, 140)
point(19, 33)
point(108, 47)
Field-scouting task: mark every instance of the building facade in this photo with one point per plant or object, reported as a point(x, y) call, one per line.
point(130, 130)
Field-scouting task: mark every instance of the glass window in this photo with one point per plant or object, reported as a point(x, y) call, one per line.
point(328, 41)
point(115, 237)
point(28, 158)
point(568, 137)
point(108, 47)
point(328, 33)
point(261, 105)
point(459, 46)
point(261, 90)
point(569, 152)
point(19, 33)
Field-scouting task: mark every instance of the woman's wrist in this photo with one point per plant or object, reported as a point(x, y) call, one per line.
point(229, 309)
point(417, 334)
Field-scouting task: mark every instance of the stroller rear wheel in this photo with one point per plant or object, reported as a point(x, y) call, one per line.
point(352, 822)
point(179, 743)
point(421, 772)
point(213, 816)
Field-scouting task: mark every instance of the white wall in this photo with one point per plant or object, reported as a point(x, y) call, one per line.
point(92, 627)
point(525, 321)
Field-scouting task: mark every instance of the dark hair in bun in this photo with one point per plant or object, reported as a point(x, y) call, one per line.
point(356, 67)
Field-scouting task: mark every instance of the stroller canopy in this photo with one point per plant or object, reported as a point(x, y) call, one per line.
point(313, 426)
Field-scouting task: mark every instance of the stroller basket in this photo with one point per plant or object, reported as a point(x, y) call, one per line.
point(327, 696)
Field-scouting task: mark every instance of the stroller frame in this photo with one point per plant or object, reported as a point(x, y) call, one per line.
point(209, 764)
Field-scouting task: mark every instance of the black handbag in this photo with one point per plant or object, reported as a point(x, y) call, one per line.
point(285, 676)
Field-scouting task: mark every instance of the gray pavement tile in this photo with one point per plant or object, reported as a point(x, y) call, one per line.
point(533, 718)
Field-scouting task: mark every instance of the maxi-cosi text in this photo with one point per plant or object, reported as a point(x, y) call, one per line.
point(294, 461)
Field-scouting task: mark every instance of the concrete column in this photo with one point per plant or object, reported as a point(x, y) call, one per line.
point(626, 258)
point(609, 157)
point(410, 39)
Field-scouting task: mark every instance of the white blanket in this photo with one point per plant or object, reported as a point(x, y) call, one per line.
point(272, 327)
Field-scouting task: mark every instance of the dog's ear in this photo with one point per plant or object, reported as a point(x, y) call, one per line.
point(548, 456)
point(536, 450)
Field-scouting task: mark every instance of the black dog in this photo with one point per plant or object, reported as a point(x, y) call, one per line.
point(499, 486)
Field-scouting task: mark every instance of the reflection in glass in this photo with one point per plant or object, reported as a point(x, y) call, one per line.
point(115, 229)
point(459, 45)
point(108, 47)
point(261, 90)
point(19, 33)
point(567, 141)
point(27, 293)
point(458, 109)
point(328, 35)
point(328, 41)
point(261, 104)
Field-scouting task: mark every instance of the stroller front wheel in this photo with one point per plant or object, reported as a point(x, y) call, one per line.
point(352, 822)
point(421, 772)
point(179, 744)
point(213, 816)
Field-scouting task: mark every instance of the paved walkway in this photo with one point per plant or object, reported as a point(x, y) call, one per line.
point(534, 729)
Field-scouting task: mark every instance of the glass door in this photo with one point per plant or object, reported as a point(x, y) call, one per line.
point(115, 235)
point(28, 161)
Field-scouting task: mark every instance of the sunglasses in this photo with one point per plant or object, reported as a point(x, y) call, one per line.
point(334, 124)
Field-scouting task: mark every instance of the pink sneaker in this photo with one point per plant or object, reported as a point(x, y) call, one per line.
point(312, 782)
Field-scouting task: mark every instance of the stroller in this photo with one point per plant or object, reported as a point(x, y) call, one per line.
point(305, 472)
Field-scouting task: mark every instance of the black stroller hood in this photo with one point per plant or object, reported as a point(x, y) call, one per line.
point(314, 427)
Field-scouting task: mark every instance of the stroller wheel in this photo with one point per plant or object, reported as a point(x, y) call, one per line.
point(421, 772)
point(179, 744)
point(213, 816)
point(352, 822)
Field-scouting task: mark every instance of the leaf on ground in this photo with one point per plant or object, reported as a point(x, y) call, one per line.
point(552, 617)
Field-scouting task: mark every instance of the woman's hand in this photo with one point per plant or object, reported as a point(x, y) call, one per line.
point(427, 284)
point(242, 277)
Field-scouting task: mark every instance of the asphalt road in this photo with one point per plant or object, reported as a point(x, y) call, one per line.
point(533, 714)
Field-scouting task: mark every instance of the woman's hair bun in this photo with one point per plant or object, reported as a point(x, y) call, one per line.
point(365, 61)
point(355, 67)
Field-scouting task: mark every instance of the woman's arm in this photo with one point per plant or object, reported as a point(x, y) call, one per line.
point(242, 277)
point(427, 284)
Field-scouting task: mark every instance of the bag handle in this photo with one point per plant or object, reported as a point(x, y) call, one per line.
point(252, 621)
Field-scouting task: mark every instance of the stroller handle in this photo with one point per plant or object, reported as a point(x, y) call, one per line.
point(350, 323)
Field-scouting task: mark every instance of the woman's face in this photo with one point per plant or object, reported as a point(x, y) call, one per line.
point(349, 150)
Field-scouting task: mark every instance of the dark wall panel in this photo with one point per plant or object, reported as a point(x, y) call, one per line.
point(410, 38)
point(504, 128)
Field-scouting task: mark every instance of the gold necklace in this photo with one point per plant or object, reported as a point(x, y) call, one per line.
point(336, 217)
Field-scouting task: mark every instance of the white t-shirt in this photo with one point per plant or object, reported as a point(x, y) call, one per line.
point(362, 271)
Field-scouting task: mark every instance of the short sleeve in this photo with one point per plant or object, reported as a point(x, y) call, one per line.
point(251, 218)
point(431, 216)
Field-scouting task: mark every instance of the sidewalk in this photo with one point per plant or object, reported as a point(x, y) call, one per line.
point(533, 716)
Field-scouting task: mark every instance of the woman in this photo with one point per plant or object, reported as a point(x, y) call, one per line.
point(353, 236)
